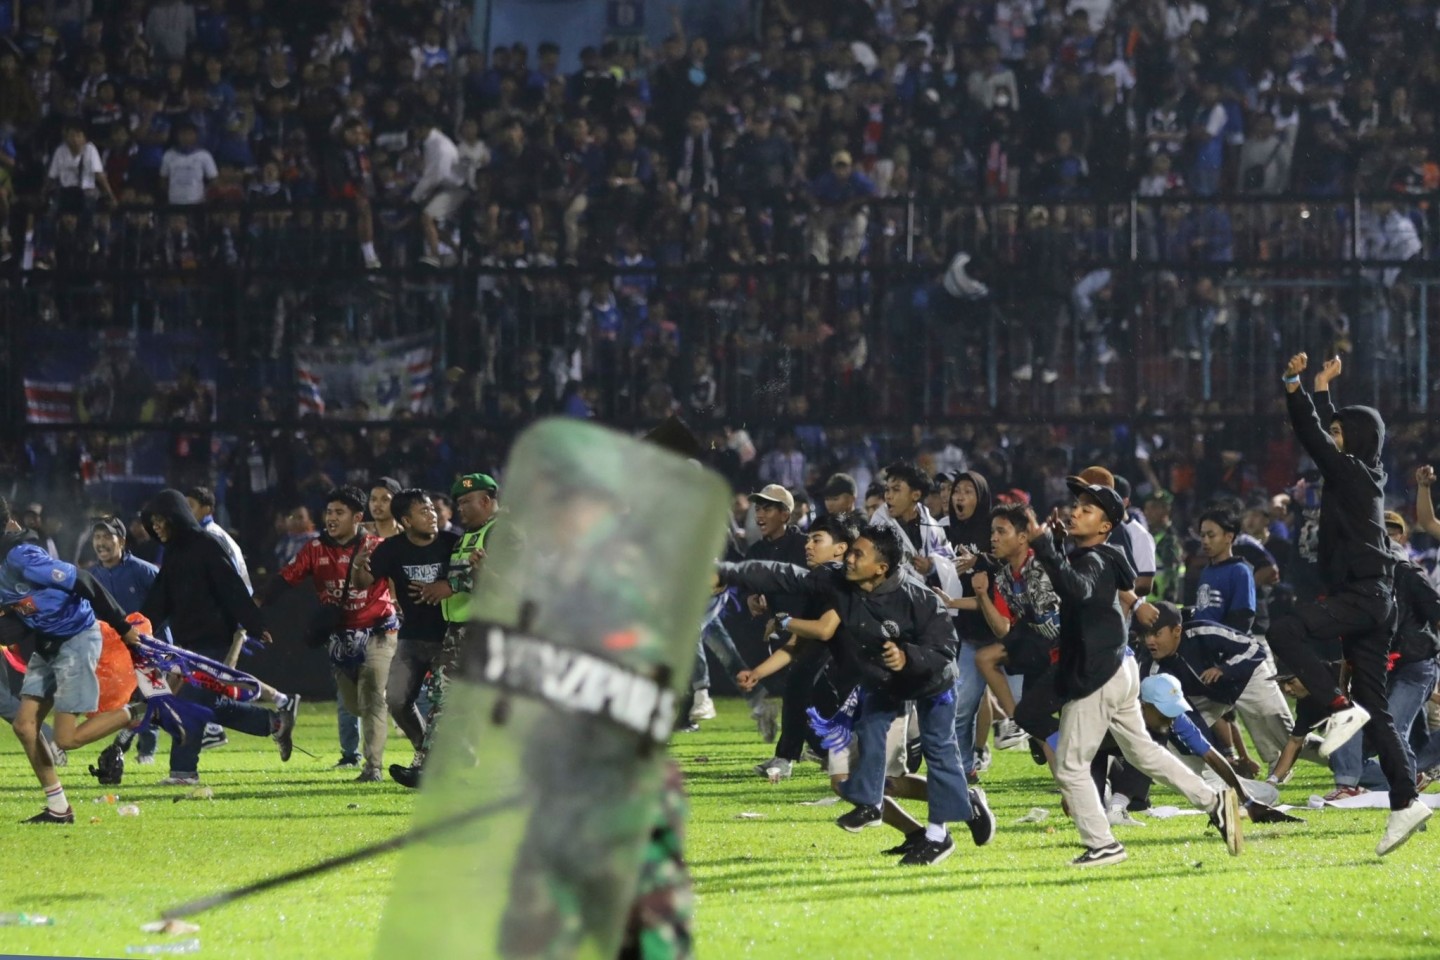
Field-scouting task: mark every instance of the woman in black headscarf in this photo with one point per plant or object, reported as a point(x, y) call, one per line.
point(968, 518)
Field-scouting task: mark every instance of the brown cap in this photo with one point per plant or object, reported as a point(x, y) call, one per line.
point(1393, 519)
point(841, 156)
point(774, 493)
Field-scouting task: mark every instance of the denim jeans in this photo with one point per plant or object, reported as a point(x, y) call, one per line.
point(349, 726)
point(1407, 689)
point(244, 717)
point(949, 794)
point(969, 691)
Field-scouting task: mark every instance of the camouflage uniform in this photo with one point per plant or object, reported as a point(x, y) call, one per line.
point(660, 918)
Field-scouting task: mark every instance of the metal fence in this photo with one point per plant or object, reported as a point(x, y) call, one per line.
point(1163, 306)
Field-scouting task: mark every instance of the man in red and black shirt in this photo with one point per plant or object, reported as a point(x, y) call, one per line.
point(363, 644)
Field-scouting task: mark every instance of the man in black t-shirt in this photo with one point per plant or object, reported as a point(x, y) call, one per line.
point(419, 556)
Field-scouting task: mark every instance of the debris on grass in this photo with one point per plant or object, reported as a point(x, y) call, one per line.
point(173, 927)
point(1036, 815)
point(749, 816)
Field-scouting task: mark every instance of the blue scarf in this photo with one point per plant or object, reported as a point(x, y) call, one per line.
point(836, 732)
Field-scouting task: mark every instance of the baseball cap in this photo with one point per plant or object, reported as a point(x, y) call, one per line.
point(472, 482)
point(113, 525)
point(389, 483)
point(840, 484)
point(1106, 497)
point(1393, 519)
point(841, 156)
point(1169, 616)
point(1164, 496)
point(774, 493)
point(1162, 692)
point(1122, 487)
point(1098, 475)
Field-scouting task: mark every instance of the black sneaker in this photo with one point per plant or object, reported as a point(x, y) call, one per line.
point(109, 767)
point(1226, 818)
point(1100, 856)
point(348, 763)
point(858, 819)
point(213, 737)
point(46, 816)
point(1037, 753)
point(982, 823)
point(285, 728)
point(928, 852)
point(912, 838)
point(406, 776)
point(914, 754)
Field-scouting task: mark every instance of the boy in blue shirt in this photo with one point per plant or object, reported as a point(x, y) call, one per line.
point(60, 605)
point(1227, 585)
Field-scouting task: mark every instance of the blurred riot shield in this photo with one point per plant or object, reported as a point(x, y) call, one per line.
point(594, 582)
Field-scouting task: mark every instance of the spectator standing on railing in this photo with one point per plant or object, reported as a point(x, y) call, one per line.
point(348, 177)
point(840, 193)
point(441, 190)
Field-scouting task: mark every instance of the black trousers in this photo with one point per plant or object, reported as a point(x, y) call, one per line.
point(1040, 702)
point(799, 694)
point(1122, 777)
point(1362, 616)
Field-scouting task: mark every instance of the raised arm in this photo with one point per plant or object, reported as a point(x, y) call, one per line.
point(769, 576)
point(1077, 582)
point(1304, 415)
point(1424, 503)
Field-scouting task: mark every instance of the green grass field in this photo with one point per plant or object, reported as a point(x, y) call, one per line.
point(788, 885)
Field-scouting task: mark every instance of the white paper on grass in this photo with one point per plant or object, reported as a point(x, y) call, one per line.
point(1166, 813)
point(1379, 800)
point(829, 801)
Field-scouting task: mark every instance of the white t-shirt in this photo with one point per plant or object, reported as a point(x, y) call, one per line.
point(187, 174)
point(76, 169)
point(1142, 547)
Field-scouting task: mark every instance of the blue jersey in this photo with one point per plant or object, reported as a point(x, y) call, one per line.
point(1191, 737)
point(41, 592)
point(128, 581)
point(1225, 587)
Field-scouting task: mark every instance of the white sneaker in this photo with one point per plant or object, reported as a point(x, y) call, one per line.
point(174, 781)
point(1024, 373)
point(1010, 736)
point(1048, 376)
point(1120, 817)
point(372, 263)
point(703, 708)
point(1344, 724)
point(1402, 826)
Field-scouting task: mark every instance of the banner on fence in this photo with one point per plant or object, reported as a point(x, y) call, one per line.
point(119, 377)
point(374, 382)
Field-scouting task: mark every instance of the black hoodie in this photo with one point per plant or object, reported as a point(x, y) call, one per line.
point(1092, 626)
point(198, 593)
point(974, 535)
point(1353, 544)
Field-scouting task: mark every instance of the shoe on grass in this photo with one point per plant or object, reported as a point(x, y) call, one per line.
point(1226, 818)
point(1401, 826)
point(1101, 856)
point(982, 822)
point(49, 816)
point(912, 839)
point(285, 728)
point(862, 817)
point(703, 708)
point(927, 852)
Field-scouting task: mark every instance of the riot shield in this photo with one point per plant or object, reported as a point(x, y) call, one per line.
point(593, 585)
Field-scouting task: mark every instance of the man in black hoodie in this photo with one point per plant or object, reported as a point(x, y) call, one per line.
point(1358, 569)
point(1097, 677)
point(202, 599)
point(898, 641)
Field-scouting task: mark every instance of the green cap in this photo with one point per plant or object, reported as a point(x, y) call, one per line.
point(472, 482)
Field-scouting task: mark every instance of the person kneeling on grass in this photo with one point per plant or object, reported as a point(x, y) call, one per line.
point(1172, 721)
point(63, 606)
point(1097, 677)
point(900, 643)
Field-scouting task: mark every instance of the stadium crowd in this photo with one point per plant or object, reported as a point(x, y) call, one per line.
point(920, 610)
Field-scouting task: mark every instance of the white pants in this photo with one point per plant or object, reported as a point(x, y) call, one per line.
point(1263, 710)
point(1114, 709)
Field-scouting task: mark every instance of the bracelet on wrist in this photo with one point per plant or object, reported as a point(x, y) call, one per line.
point(1290, 380)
